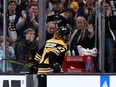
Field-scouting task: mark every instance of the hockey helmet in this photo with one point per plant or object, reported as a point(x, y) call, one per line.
point(63, 31)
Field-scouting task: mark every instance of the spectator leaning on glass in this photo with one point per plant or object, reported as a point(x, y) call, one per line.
point(53, 54)
point(29, 19)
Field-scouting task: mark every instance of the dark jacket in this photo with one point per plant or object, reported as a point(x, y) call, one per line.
point(85, 41)
point(26, 50)
point(110, 27)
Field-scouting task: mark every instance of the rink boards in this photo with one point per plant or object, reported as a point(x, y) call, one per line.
point(60, 80)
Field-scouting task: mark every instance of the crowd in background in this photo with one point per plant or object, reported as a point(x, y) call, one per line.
point(78, 15)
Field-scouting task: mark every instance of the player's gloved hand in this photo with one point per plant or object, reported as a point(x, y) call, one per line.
point(33, 69)
point(56, 68)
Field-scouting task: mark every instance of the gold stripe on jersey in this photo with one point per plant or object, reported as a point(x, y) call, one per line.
point(38, 57)
point(44, 70)
point(47, 70)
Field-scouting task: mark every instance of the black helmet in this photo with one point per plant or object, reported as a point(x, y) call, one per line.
point(63, 31)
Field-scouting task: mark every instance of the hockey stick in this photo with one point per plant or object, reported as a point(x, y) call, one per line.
point(19, 63)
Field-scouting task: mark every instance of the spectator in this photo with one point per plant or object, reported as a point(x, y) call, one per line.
point(55, 14)
point(49, 6)
point(26, 49)
point(12, 19)
point(60, 15)
point(51, 29)
point(87, 10)
point(109, 39)
point(53, 55)
point(29, 19)
point(10, 55)
point(69, 18)
point(83, 35)
point(21, 5)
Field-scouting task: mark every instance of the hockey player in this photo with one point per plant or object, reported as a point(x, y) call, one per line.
point(53, 55)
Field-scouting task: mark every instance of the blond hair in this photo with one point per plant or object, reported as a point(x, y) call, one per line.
point(80, 18)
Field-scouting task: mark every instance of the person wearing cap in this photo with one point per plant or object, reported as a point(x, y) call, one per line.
point(56, 13)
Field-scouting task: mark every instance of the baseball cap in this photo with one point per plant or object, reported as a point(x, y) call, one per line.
point(56, 1)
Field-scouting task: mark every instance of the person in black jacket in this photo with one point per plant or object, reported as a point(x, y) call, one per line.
point(109, 38)
point(26, 49)
point(83, 35)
